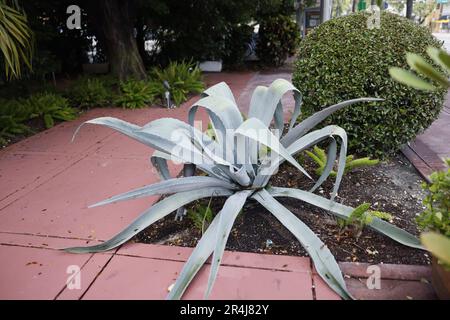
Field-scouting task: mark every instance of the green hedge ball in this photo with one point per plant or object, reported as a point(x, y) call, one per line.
point(343, 59)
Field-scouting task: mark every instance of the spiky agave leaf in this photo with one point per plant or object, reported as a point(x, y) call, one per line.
point(169, 186)
point(310, 139)
point(324, 261)
point(249, 129)
point(306, 125)
point(198, 257)
point(265, 105)
point(151, 215)
point(159, 162)
point(343, 211)
point(228, 214)
point(265, 101)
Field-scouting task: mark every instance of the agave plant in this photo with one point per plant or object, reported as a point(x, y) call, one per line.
point(239, 176)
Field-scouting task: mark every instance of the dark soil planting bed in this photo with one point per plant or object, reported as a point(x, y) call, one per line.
point(392, 186)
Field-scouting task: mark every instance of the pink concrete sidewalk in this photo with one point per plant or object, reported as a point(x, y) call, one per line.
point(428, 151)
point(45, 187)
point(47, 182)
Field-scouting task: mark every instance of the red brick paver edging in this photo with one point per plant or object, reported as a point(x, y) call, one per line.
point(428, 151)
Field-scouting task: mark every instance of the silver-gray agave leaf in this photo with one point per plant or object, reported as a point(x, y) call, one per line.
point(238, 175)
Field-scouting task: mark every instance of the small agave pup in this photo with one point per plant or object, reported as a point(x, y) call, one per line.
point(239, 179)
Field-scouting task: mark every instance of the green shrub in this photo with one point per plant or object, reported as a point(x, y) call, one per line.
point(319, 156)
point(183, 77)
point(343, 59)
point(90, 92)
point(13, 114)
point(239, 36)
point(201, 216)
point(135, 94)
point(50, 107)
point(24, 88)
point(278, 39)
point(360, 218)
point(436, 216)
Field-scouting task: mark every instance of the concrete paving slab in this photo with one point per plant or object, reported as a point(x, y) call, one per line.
point(148, 278)
point(19, 173)
point(32, 273)
point(59, 207)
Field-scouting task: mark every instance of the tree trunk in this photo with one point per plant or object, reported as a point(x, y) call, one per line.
point(409, 8)
point(116, 25)
point(140, 40)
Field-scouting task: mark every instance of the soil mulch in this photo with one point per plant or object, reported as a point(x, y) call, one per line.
point(392, 186)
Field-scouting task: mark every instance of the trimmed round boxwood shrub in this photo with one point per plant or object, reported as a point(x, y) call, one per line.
point(278, 39)
point(342, 59)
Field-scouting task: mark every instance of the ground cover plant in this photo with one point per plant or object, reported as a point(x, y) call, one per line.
point(50, 107)
point(238, 176)
point(319, 156)
point(135, 94)
point(88, 92)
point(342, 59)
point(13, 115)
point(21, 117)
point(183, 78)
point(44, 102)
point(436, 216)
point(360, 218)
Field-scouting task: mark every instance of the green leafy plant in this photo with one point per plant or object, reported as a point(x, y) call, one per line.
point(238, 174)
point(183, 78)
point(279, 38)
point(50, 107)
point(16, 38)
point(319, 156)
point(438, 245)
point(201, 216)
point(135, 94)
point(236, 44)
point(13, 115)
point(342, 59)
point(425, 69)
point(360, 218)
point(436, 216)
point(90, 92)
